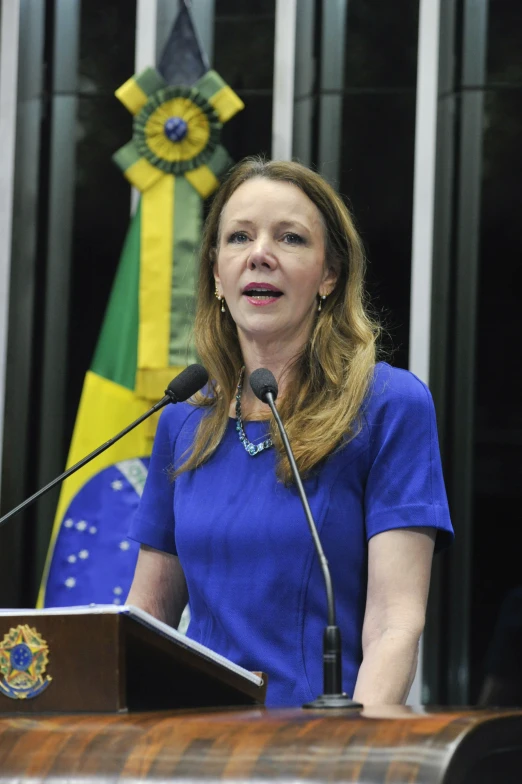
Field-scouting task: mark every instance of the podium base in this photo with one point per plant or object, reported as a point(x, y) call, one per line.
point(338, 701)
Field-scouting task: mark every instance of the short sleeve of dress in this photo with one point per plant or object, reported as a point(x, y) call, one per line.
point(405, 485)
point(153, 523)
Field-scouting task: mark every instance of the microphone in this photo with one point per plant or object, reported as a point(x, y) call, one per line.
point(186, 384)
point(264, 387)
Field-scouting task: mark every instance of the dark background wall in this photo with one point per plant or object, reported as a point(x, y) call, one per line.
point(248, 69)
point(377, 153)
point(497, 436)
point(101, 194)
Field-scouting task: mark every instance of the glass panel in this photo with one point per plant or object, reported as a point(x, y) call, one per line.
point(498, 428)
point(377, 179)
point(504, 65)
point(374, 169)
point(244, 57)
point(244, 48)
point(107, 35)
point(250, 131)
point(381, 44)
point(241, 8)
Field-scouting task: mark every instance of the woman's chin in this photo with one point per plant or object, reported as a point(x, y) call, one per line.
point(270, 330)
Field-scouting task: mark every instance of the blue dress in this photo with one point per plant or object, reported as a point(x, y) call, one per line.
point(256, 590)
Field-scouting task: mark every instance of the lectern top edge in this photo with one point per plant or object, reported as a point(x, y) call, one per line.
point(145, 619)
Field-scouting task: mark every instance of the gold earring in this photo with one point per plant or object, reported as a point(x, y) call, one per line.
point(221, 299)
point(322, 298)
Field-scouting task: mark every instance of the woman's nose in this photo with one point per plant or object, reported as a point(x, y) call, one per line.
point(261, 254)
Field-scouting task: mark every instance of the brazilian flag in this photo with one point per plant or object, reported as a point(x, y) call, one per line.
point(97, 502)
point(175, 160)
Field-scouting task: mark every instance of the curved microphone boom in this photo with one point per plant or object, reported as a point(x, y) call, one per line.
point(186, 384)
point(264, 387)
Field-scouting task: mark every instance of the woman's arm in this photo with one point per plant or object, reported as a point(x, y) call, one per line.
point(399, 567)
point(159, 585)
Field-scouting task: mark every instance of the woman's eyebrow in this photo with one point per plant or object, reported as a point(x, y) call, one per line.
point(234, 223)
point(290, 224)
point(242, 221)
point(281, 224)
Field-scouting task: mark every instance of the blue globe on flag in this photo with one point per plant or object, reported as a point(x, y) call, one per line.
point(93, 561)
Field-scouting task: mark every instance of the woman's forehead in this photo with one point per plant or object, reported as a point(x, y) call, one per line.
point(260, 199)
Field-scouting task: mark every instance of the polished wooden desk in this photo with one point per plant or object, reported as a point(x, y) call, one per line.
point(257, 744)
point(81, 698)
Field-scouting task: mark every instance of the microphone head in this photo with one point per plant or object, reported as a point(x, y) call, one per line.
point(262, 382)
point(187, 383)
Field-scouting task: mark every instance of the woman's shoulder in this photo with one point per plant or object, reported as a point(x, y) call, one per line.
point(395, 388)
point(393, 381)
point(174, 417)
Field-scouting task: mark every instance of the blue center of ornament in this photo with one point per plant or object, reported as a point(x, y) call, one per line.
point(21, 657)
point(175, 129)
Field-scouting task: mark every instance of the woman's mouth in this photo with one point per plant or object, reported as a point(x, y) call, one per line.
point(258, 294)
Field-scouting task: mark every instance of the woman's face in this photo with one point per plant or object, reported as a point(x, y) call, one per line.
point(270, 263)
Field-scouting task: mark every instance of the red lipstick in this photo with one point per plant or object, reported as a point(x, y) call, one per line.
point(260, 294)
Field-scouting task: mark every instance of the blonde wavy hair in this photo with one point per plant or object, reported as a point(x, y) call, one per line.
point(330, 378)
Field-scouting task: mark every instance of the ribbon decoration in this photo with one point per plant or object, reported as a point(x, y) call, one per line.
point(175, 160)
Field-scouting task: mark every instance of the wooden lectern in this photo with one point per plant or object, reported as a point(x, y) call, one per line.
point(97, 719)
point(107, 658)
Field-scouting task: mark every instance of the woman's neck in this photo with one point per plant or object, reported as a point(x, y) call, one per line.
point(279, 360)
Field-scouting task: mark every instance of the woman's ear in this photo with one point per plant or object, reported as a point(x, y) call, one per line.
point(213, 259)
point(328, 282)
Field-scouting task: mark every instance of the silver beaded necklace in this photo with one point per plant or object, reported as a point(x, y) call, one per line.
point(252, 449)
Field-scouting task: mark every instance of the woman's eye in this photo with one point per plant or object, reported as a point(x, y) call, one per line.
point(293, 239)
point(238, 237)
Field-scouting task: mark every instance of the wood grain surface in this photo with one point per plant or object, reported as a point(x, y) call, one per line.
point(391, 745)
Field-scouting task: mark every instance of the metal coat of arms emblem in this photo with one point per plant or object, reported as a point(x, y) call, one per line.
point(23, 659)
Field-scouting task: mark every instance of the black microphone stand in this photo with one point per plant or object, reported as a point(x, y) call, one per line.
point(333, 695)
point(180, 388)
point(28, 501)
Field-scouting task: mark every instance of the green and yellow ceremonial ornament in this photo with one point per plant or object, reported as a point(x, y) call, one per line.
point(175, 160)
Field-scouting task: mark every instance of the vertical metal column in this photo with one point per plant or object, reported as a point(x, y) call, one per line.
point(21, 254)
point(304, 80)
point(424, 188)
point(9, 39)
point(435, 671)
point(146, 33)
point(145, 51)
point(331, 88)
point(62, 109)
point(467, 258)
point(284, 70)
point(423, 212)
